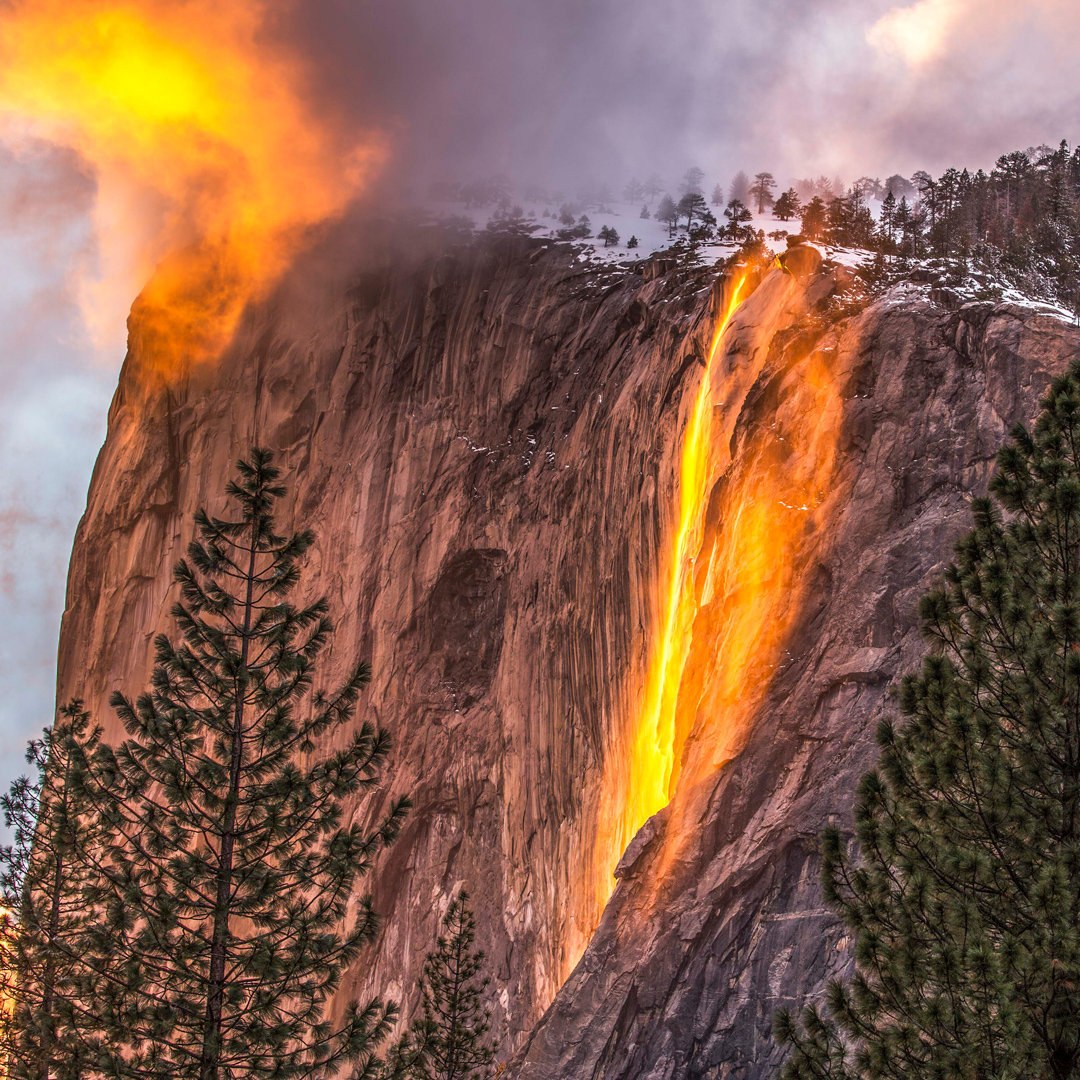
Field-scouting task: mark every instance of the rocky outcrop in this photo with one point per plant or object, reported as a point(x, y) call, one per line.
point(486, 441)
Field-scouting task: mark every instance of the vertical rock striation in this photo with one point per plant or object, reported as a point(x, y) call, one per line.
point(486, 441)
point(696, 952)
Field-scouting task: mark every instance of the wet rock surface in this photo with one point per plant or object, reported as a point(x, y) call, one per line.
point(486, 442)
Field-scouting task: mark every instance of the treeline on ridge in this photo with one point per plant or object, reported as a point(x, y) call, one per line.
point(1016, 225)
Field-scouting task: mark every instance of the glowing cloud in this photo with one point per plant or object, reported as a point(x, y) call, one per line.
point(205, 153)
point(920, 33)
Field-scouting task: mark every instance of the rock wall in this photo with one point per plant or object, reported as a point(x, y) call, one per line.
point(695, 954)
point(486, 440)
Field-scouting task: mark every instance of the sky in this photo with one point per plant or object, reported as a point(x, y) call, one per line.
point(380, 98)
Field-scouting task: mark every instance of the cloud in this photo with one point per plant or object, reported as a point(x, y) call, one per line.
point(920, 33)
point(963, 81)
point(569, 91)
point(998, 40)
point(54, 390)
point(191, 118)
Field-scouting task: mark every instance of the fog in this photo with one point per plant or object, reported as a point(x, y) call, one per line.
point(569, 92)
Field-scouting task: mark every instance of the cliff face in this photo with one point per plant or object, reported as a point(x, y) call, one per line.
point(694, 955)
point(487, 443)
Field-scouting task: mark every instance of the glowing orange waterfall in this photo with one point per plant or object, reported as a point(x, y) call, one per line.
point(732, 586)
point(652, 754)
point(639, 781)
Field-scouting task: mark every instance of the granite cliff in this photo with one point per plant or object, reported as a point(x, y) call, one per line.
point(488, 442)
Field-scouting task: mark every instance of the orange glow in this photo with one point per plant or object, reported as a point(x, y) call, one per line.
point(751, 593)
point(732, 591)
point(653, 764)
point(204, 151)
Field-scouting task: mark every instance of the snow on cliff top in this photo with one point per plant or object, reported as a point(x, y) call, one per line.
point(625, 218)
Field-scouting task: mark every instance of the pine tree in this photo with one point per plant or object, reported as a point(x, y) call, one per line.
point(762, 190)
point(869, 187)
point(1013, 169)
point(692, 181)
point(787, 205)
point(814, 218)
point(888, 217)
point(705, 230)
point(899, 187)
point(718, 196)
point(692, 205)
point(230, 915)
point(927, 188)
point(903, 223)
point(668, 213)
point(449, 1041)
point(838, 220)
point(964, 897)
point(739, 189)
point(51, 1028)
point(737, 215)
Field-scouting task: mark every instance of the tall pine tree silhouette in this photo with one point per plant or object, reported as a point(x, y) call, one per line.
point(230, 916)
point(964, 896)
point(51, 1031)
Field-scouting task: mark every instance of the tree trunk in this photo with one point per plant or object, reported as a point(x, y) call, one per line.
point(215, 996)
point(48, 981)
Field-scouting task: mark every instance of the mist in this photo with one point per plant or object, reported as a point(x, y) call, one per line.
point(568, 94)
point(54, 391)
